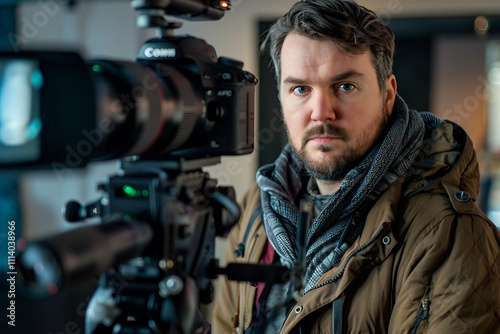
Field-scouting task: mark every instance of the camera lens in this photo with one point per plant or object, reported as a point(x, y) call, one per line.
point(150, 110)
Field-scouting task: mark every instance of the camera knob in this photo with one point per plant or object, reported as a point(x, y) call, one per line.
point(74, 212)
point(231, 62)
point(249, 77)
point(215, 111)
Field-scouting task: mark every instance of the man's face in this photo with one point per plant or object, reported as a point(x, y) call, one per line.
point(333, 107)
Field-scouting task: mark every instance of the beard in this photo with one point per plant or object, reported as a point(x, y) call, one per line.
point(335, 169)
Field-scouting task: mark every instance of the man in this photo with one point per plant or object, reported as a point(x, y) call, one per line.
point(396, 243)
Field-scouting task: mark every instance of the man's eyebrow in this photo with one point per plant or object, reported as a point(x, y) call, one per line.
point(346, 75)
point(293, 81)
point(339, 77)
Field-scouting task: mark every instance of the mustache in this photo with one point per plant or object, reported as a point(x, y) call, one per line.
point(324, 129)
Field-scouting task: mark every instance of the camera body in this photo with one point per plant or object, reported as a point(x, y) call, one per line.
point(227, 93)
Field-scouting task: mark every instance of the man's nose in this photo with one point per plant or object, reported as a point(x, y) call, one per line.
point(323, 107)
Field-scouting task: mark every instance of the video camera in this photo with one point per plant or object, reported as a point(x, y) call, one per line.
point(175, 110)
point(177, 100)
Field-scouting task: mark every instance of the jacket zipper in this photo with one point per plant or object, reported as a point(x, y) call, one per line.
point(341, 270)
point(423, 312)
point(254, 241)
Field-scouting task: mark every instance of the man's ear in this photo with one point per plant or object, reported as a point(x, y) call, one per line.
point(390, 93)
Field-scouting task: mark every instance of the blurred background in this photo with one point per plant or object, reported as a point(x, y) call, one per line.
point(447, 62)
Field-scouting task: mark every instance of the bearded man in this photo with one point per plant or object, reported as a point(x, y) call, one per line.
point(397, 243)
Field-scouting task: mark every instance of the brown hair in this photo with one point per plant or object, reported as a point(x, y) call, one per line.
point(354, 28)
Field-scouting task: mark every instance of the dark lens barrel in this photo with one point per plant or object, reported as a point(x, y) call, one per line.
point(184, 121)
point(130, 108)
point(80, 255)
point(149, 111)
point(74, 112)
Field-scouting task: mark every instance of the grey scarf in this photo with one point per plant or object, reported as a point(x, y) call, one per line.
point(282, 183)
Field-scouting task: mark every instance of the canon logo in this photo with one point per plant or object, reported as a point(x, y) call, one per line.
point(159, 53)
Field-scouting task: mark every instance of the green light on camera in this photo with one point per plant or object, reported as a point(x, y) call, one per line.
point(130, 191)
point(97, 68)
point(135, 193)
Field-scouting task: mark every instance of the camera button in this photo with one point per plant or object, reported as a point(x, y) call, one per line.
point(207, 75)
point(227, 76)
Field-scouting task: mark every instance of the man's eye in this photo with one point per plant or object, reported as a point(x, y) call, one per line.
point(346, 87)
point(300, 90)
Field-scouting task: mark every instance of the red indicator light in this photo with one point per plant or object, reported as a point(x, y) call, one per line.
point(52, 289)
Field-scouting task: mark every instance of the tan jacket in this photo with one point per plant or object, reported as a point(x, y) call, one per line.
point(434, 247)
